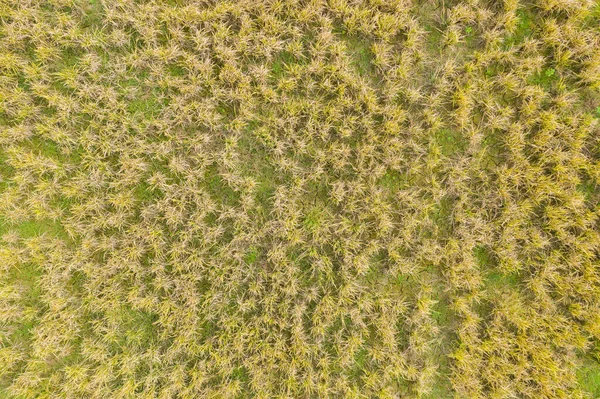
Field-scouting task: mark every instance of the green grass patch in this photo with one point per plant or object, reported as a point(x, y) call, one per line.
point(483, 257)
point(441, 312)
point(359, 50)
point(145, 193)
point(6, 171)
point(52, 149)
point(37, 228)
point(280, 62)
point(138, 327)
point(524, 29)
point(441, 215)
point(588, 188)
point(313, 219)
point(46, 148)
point(435, 39)
point(361, 360)
point(545, 78)
point(492, 149)
point(218, 188)
point(149, 107)
point(176, 70)
point(27, 276)
point(256, 162)
point(442, 386)
point(495, 279)
point(252, 255)
point(393, 180)
point(450, 141)
point(92, 13)
point(471, 37)
point(588, 376)
point(34, 228)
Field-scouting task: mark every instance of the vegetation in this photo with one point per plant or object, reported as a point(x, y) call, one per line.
point(299, 199)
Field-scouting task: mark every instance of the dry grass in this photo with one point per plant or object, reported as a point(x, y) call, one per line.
point(299, 199)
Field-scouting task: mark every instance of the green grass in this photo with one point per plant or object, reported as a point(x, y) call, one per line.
point(34, 228)
point(494, 278)
point(139, 326)
point(483, 256)
point(282, 62)
point(145, 193)
point(313, 219)
point(218, 187)
point(546, 78)
point(393, 180)
point(435, 39)
point(498, 279)
point(442, 388)
point(589, 376)
point(588, 188)
point(252, 255)
point(256, 163)
point(176, 70)
point(524, 29)
point(450, 142)
point(361, 56)
point(148, 107)
point(93, 12)
point(441, 216)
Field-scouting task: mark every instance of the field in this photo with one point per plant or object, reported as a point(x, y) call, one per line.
point(300, 199)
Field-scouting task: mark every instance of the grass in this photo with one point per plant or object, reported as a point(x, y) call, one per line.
point(524, 28)
point(339, 196)
point(450, 142)
point(148, 107)
point(34, 228)
point(589, 376)
point(360, 54)
point(393, 181)
point(545, 78)
point(218, 187)
point(494, 279)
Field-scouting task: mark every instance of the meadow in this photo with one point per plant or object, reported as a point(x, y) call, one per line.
point(300, 199)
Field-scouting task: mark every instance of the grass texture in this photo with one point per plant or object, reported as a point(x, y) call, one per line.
point(299, 199)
